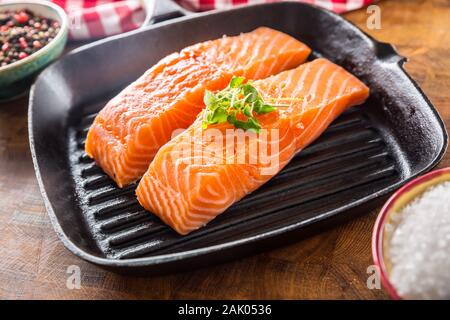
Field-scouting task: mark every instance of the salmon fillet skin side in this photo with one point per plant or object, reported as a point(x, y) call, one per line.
point(193, 178)
point(131, 128)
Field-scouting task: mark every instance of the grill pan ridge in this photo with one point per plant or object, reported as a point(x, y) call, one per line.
point(362, 157)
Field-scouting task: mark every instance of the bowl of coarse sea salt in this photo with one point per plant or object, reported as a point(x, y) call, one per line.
point(411, 239)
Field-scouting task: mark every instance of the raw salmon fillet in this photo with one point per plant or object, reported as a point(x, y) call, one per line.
point(192, 179)
point(131, 128)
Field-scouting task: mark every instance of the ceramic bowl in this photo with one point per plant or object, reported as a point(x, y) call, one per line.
point(16, 77)
point(405, 195)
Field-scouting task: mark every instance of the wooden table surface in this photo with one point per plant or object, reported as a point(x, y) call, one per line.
point(333, 264)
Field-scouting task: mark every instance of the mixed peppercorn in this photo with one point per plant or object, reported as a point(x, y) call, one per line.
point(22, 33)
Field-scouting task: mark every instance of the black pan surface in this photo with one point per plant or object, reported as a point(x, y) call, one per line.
point(367, 153)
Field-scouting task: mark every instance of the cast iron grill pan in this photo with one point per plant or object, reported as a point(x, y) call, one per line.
point(351, 149)
point(363, 155)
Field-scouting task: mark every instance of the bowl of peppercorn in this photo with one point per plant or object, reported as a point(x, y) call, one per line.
point(32, 35)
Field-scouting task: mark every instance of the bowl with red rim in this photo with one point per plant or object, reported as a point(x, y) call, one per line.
point(380, 238)
point(14, 76)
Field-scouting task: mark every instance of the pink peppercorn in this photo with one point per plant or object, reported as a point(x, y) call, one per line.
point(36, 44)
point(23, 55)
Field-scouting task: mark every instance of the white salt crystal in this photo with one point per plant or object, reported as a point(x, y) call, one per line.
point(419, 247)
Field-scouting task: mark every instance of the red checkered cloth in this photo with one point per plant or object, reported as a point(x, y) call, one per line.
point(90, 19)
point(335, 5)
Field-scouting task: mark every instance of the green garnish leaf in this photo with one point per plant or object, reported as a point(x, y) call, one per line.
point(236, 82)
point(266, 108)
point(250, 93)
point(209, 98)
point(231, 119)
point(250, 124)
point(248, 110)
point(219, 116)
point(239, 99)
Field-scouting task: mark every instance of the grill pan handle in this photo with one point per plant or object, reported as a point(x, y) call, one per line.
point(162, 10)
